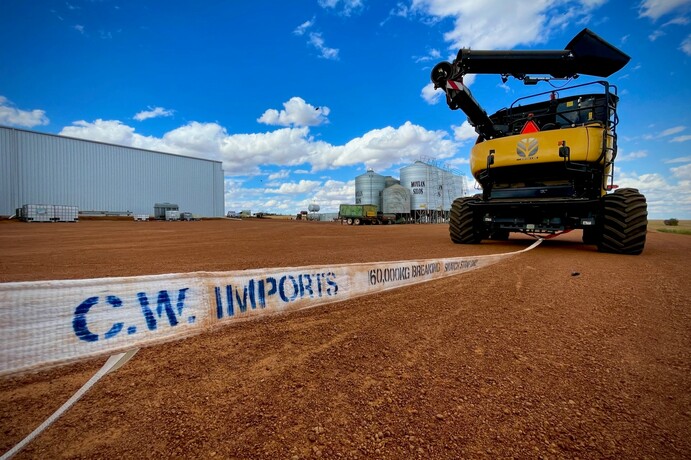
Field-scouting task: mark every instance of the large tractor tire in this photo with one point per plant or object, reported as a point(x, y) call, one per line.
point(462, 225)
point(624, 222)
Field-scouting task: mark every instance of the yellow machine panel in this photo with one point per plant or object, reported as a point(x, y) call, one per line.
point(585, 143)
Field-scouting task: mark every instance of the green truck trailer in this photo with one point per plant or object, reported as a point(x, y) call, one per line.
point(357, 214)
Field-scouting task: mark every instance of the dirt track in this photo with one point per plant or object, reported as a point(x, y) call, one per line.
point(523, 359)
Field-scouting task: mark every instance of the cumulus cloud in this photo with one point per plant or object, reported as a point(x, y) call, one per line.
point(464, 133)
point(244, 154)
point(328, 194)
point(431, 95)
point(331, 193)
point(497, 24)
point(296, 112)
point(113, 132)
point(382, 148)
point(154, 112)
point(282, 174)
point(12, 116)
point(666, 198)
point(292, 188)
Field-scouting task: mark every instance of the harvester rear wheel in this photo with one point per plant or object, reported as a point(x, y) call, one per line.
point(462, 226)
point(624, 222)
point(356, 221)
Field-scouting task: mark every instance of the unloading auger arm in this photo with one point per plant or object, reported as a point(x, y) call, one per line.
point(586, 54)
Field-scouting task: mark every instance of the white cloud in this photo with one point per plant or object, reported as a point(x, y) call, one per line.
point(464, 133)
point(679, 21)
point(432, 55)
point(496, 24)
point(431, 95)
point(113, 132)
point(332, 193)
point(635, 155)
point(243, 154)
point(655, 35)
point(302, 28)
point(79, 28)
point(348, 7)
point(316, 40)
point(293, 188)
point(674, 130)
point(655, 9)
point(382, 148)
point(329, 194)
point(683, 173)
point(12, 116)
point(684, 138)
point(666, 198)
point(686, 159)
point(153, 113)
point(686, 45)
point(296, 113)
point(282, 174)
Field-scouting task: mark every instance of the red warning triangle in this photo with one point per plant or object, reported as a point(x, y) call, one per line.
point(530, 127)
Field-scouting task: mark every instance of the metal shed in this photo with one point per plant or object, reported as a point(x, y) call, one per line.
point(100, 177)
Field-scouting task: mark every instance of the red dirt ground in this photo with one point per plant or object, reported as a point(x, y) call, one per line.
point(561, 352)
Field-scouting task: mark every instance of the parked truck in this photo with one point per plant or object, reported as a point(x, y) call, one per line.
point(357, 214)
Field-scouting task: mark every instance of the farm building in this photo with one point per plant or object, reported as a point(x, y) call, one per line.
point(424, 192)
point(96, 177)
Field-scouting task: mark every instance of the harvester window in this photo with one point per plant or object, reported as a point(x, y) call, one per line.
point(581, 111)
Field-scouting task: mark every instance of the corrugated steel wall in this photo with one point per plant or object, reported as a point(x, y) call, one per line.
point(49, 169)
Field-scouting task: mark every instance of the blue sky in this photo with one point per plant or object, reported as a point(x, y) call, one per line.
point(297, 98)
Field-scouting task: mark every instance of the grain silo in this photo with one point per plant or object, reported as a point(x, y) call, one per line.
point(454, 186)
point(424, 183)
point(369, 188)
point(432, 190)
point(390, 180)
point(396, 200)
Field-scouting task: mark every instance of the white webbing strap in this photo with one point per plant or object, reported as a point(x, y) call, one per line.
point(44, 323)
point(113, 363)
point(47, 322)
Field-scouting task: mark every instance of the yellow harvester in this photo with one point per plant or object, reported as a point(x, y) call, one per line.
point(545, 164)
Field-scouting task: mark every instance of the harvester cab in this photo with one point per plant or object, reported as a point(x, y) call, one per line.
point(546, 163)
